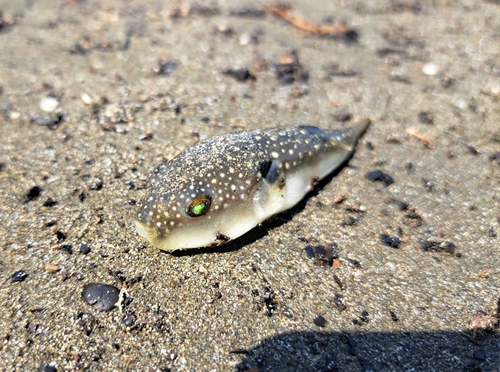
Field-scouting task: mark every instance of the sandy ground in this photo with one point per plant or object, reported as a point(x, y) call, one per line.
point(87, 110)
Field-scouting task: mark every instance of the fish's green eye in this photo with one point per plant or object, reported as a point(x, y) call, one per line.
point(199, 206)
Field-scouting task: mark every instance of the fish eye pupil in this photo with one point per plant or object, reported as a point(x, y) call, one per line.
point(199, 206)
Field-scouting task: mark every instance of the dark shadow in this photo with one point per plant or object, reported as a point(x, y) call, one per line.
point(263, 229)
point(372, 351)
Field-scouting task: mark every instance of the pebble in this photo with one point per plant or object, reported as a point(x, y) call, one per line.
point(392, 241)
point(51, 267)
point(33, 193)
point(480, 354)
point(433, 246)
point(103, 295)
point(330, 364)
point(68, 248)
point(129, 319)
point(364, 316)
point(86, 99)
point(19, 276)
point(245, 38)
point(378, 175)
point(430, 69)
point(49, 104)
point(13, 115)
point(393, 315)
point(319, 321)
point(44, 367)
point(50, 202)
point(84, 249)
point(425, 117)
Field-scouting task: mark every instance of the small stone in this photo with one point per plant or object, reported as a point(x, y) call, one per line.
point(364, 316)
point(425, 117)
point(483, 321)
point(480, 354)
point(330, 364)
point(245, 38)
point(49, 202)
point(165, 67)
point(392, 241)
point(129, 319)
point(68, 248)
point(86, 99)
point(14, 115)
point(394, 316)
point(84, 249)
point(319, 321)
point(378, 175)
point(430, 69)
point(51, 267)
point(342, 114)
point(240, 74)
point(43, 367)
point(103, 295)
point(19, 276)
point(33, 193)
point(49, 104)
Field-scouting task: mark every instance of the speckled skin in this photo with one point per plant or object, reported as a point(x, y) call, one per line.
point(248, 177)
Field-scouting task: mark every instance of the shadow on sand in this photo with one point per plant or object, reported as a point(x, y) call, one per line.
point(367, 351)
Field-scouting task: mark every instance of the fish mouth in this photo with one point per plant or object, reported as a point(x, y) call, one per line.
point(145, 231)
point(212, 232)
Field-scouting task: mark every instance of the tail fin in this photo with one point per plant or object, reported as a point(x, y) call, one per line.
point(348, 137)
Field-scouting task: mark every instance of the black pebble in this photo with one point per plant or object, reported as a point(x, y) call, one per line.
point(432, 246)
point(401, 204)
point(425, 117)
point(49, 202)
point(43, 367)
point(364, 316)
point(19, 276)
point(378, 175)
point(97, 185)
point(393, 315)
point(342, 115)
point(330, 364)
point(319, 321)
point(51, 223)
point(495, 157)
point(60, 235)
point(84, 249)
point(165, 67)
point(33, 194)
point(129, 319)
point(241, 74)
point(104, 295)
point(339, 302)
point(480, 354)
point(392, 241)
point(68, 248)
point(412, 219)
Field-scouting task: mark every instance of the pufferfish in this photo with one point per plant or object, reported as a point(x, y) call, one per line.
point(223, 187)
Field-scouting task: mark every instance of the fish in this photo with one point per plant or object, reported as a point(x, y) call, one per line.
point(221, 188)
